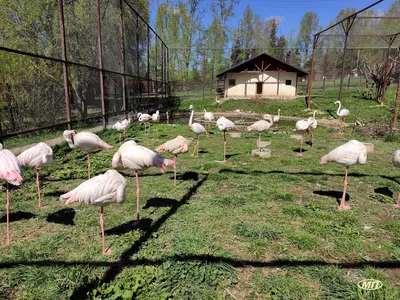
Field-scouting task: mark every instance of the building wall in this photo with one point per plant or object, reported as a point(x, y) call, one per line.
point(269, 86)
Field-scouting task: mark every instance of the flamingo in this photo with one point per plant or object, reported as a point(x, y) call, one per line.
point(36, 157)
point(396, 163)
point(100, 191)
point(167, 113)
point(197, 128)
point(208, 116)
point(276, 118)
point(224, 125)
point(260, 126)
point(312, 127)
point(122, 126)
point(85, 141)
point(145, 118)
point(134, 157)
point(302, 127)
point(175, 146)
point(217, 101)
point(10, 171)
point(156, 118)
point(351, 153)
point(341, 113)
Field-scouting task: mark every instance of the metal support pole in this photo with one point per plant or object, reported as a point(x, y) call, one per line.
point(65, 68)
point(122, 41)
point(100, 57)
point(310, 77)
point(325, 65)
point(148, 69)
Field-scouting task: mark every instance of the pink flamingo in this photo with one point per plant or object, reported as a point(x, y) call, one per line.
point(85, 141)
point(261, 126)
point(145, 118)
point(135, 157)
point(302, 127)
point(197, 128)
point(175, 146)
point(100, 190)
point(155, 118)
point(36, 157)
point(351, 153)
point(224, 125)
point(122, 126)
point(10, 171)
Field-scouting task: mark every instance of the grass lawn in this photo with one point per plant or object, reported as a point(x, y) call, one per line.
point(250, 228)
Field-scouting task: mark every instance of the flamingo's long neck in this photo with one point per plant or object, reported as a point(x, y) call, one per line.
point(340, 106)
point(314, 114)
point(279, 112)
point(191, 118)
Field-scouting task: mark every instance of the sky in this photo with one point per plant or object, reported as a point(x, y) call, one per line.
point(291, 11)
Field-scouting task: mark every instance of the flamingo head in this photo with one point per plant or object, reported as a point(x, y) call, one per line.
point(191, 107)
point(337, 102)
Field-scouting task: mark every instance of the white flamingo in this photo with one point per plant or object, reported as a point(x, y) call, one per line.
point(100, 191)
point(85, 141)
point(155, 118)
point(208, 116)
point(36, 157)
point(224, 125)
point(351, 153)
point(302, 127)
point(198, 129)
point(122, 126)
point(260, 126)
point(276, 118)
point(313, 127)
point(10, 171)
point(144, 118)
point(396, 163)
point(134, 157)
point(342, 113)
point(175, 146)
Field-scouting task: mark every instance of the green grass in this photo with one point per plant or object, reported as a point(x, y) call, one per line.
point(250, 228)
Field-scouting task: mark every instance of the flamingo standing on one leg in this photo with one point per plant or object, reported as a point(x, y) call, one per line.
point(224, 125)
point(342, 113)
point(396, 163)
point(351, 153)
point(10, 171)
point(313, 127)
point(144, 118)
point(175, 146)
point(302, 127)
point(85, 141)
point(100, 190)
point(260, 126)
point(36, 157)
point(197, 128)
point(155, 119)
point(135, 157)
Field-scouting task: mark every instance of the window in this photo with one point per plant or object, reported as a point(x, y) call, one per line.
point(288, 82)
point(232, 82)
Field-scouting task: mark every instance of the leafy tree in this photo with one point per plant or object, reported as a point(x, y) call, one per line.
point(308, 26)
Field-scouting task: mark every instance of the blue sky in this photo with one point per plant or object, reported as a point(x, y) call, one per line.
point(291, 11)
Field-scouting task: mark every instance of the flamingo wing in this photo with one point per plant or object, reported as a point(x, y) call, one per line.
point(10, 169)
point(36, 156)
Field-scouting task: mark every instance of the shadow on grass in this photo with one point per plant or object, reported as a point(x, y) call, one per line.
point(187, 176)
point(161, 202)
point(334, 194)
point(63, 216)
point(143, 224)
point(297, 150)
point(18, 216)
point(384, 191)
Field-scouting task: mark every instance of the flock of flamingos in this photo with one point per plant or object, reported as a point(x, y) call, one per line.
point(109, 187)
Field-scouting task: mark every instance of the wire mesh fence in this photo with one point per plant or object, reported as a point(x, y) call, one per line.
point(63, 62)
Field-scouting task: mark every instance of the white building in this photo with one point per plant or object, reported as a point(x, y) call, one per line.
point(261, 76)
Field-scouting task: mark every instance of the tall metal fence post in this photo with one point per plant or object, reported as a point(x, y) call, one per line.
point(122, 41)
point(103, 108)
point(65, 68)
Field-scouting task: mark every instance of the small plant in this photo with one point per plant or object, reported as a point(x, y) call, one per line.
point(391, 137)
